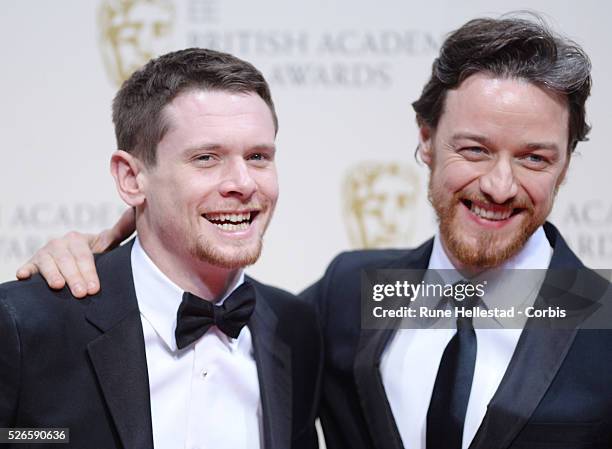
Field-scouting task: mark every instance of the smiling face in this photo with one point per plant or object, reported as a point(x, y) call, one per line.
point(497, 158)
point(211, 193)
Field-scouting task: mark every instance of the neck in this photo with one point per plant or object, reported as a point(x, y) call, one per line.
point(188, 272)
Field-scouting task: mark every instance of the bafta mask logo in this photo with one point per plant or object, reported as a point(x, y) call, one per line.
point(379, 200)
point(132, 32)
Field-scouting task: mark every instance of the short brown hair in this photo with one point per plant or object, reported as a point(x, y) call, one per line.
point(511, 47)
point(137, 107)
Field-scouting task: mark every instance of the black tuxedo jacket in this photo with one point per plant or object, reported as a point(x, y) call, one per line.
point(556, 392)
point(82, 364)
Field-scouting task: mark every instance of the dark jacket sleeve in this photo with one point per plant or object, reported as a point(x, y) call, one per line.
point(10, 363)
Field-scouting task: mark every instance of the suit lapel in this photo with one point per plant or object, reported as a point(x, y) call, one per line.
point(366, 368)
point(273, 359)
point(537, 358)
point(535, 362)
point(372, 396)
point(118, 355)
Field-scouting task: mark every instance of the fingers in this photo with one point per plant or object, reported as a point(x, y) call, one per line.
point(42, 262)
point(78, 247)
point(62, 254)
point(67, 260)
point(26, 271)
point(112, 237)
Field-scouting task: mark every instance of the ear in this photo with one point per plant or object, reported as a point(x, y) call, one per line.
point(426, 143)
point(128, 173)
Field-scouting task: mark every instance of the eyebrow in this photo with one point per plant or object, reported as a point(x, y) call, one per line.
point(264, 147)
point(478, 138)
point(215, 146)
point(487, 142)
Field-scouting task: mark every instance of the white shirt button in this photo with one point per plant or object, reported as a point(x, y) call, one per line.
point(204, 373)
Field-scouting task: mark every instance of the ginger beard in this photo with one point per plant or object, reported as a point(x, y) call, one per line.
point(491, 247)
point(242, 255)
point(237, 253)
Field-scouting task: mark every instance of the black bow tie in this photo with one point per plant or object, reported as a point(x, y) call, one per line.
point(195, 315)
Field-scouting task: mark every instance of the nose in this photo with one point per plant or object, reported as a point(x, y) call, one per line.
point(499, 183)
point(237, 180)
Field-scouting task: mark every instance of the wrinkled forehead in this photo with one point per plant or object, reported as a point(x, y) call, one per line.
point(512, 107)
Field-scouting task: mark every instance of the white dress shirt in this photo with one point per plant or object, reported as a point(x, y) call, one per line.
point(410, 362)
point(204, 396)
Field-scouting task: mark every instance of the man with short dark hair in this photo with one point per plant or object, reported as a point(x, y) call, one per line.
point(180, 349)
point(498, 122)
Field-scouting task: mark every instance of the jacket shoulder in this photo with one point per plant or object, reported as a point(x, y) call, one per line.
point(34, 292)
point(37, 311)
point(366, 258)
point(344, 271)
point(282, 301)
point(37, 306)
point(338, 292)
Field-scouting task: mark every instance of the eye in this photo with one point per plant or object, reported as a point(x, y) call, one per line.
point(535, 161)
point(535, 158)
point(474, 153)
point(475, 150)
point(260, 159)
point(205, 159)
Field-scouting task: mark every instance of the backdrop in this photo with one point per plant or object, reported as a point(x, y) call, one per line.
point(343, 74)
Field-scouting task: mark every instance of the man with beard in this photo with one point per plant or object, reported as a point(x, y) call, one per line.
point(498, 122)
point(180, 348)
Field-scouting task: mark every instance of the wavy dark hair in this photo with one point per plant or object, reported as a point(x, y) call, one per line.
point(511, 47)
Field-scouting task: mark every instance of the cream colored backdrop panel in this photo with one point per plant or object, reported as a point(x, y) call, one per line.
point(343, 75)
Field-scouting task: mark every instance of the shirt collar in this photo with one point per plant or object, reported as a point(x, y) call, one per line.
point(159, 298)
point(534, 256)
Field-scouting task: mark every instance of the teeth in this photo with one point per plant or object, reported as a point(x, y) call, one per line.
point(234, 218)
point(230, 227)
point(489, 214)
